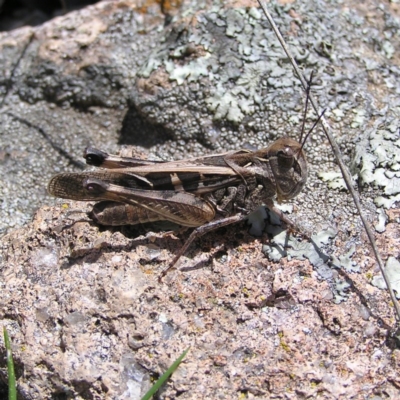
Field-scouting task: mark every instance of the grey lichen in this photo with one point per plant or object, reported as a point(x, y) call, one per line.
point(377, 160)
point(284, 245)
point(393, 271)
point(229, 48)
point(346, 262)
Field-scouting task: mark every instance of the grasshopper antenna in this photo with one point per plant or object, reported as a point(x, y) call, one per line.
point(312, 128)
point(308, 91)
point(306, 107)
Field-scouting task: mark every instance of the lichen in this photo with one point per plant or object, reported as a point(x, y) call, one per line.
point(346, 262)
point(283, 244)
point(230, 54)
point(377, 160)
point(392, 269)
point(334, 180)
point(382, 220)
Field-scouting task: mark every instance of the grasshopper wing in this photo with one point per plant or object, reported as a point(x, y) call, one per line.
point(183, 208)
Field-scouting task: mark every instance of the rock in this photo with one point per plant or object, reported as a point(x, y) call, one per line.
point(82, 304)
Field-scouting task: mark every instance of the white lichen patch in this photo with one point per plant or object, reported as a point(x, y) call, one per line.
point(191, 71)
point(382, 220)
point(334, 180)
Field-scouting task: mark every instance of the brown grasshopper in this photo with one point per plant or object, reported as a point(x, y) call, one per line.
point(204, 193)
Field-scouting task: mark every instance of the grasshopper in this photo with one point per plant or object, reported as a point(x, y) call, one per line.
point(204, 193)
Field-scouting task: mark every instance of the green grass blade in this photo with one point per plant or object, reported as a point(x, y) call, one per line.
point(164, 376)
point(12, 388)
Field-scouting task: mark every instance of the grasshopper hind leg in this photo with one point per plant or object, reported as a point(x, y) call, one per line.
point(198, 232)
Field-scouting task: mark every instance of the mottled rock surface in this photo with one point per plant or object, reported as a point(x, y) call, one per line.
point(273, 317)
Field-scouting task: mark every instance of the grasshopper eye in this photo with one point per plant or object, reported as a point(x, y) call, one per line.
point(285, 158)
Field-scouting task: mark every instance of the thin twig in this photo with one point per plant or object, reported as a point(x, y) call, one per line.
point(345, 172)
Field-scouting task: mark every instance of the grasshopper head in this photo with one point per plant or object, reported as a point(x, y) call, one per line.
point(288, 165)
